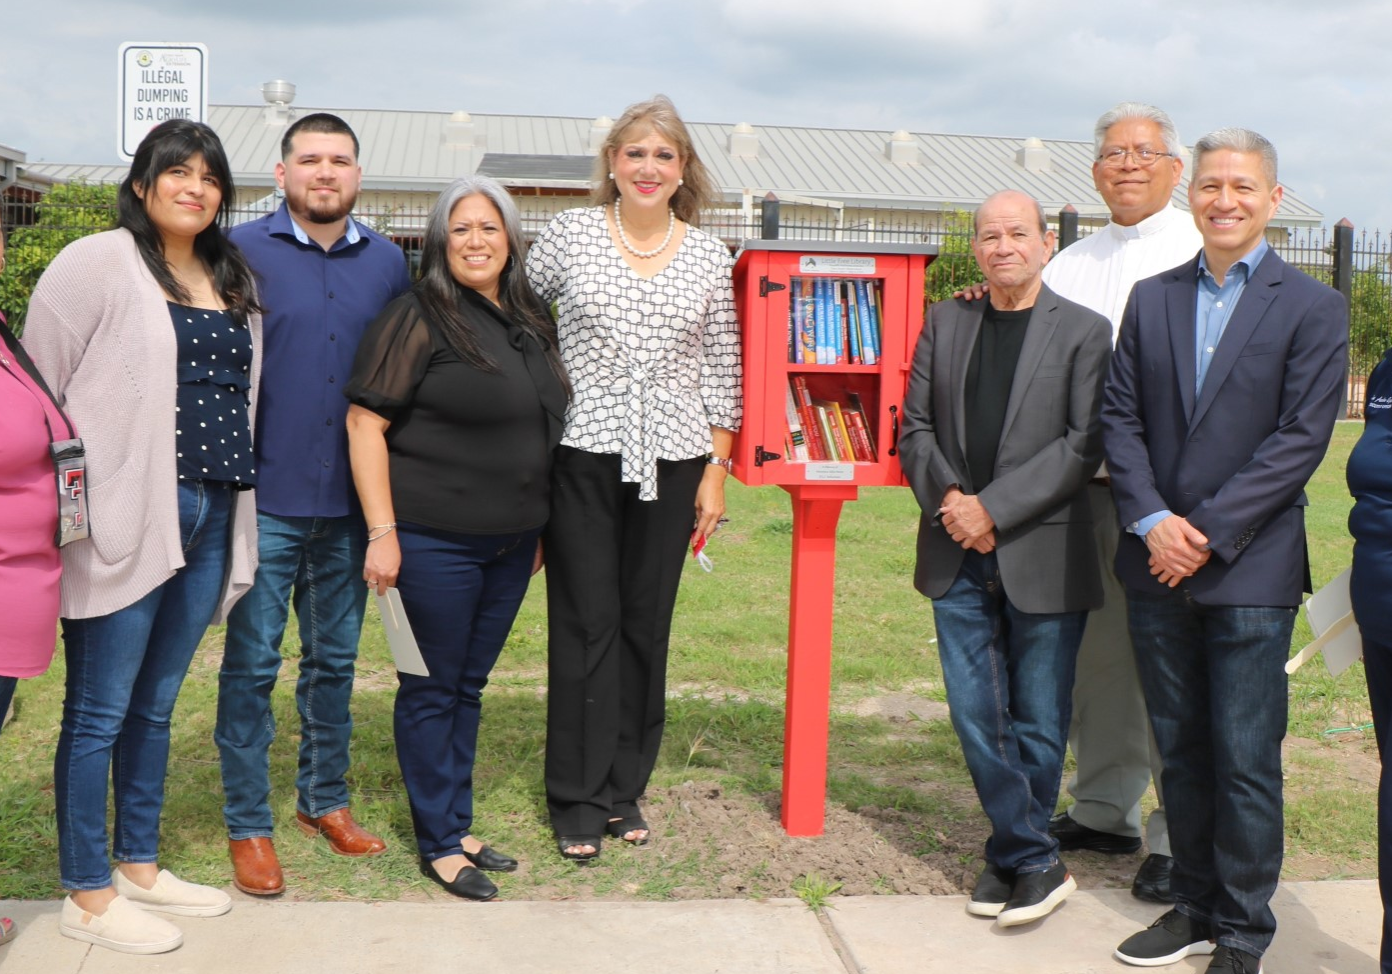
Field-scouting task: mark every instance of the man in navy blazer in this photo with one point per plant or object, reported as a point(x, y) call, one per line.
point(1220, 402)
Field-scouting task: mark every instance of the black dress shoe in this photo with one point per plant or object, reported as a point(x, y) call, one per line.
point(1153, 879)
point(469, 883)
point(1074, 835)
point(490, 859)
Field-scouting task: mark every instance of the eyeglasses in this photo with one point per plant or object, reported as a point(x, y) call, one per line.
point(1116, 158)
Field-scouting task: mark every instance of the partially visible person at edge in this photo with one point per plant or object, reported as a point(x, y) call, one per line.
point(646, 319)
point(1219, 404)
point(1137, 166)
point(30, 421)
point(1370, 523)
point(323, 277)
point(149, 335)
point(458, 400)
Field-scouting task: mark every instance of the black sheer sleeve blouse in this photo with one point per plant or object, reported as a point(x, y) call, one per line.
point(469, 450)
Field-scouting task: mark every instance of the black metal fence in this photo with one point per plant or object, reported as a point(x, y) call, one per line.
point(1357, 262)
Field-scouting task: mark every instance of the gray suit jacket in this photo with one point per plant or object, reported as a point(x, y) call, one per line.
point(1050, 447)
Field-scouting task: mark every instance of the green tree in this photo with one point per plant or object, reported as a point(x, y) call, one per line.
point(1370, 320)
point(954, 268)
point(70, 211)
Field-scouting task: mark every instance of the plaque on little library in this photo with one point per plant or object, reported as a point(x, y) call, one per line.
point(821, 264)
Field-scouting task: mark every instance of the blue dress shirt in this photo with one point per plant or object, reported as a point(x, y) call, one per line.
point(1213, 308)
point(318, 304)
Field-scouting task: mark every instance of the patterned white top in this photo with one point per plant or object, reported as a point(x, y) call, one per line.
point(654, 363)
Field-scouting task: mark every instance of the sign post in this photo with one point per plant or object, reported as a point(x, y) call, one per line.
point(158, 81)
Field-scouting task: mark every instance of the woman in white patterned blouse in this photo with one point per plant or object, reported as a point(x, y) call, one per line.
point(646, 322)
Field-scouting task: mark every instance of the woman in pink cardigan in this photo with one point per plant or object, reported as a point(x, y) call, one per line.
point(149, 334)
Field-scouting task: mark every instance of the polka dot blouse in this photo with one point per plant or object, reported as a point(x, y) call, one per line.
point(655, 362)
point(212, 431)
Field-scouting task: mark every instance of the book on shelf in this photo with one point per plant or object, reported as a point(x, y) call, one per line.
point(834, 320)
point(816, 448)
point(796, 440)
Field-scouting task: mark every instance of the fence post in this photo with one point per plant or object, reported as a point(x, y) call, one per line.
point(1068, 226)
point(770, 217)
point(1343, 283)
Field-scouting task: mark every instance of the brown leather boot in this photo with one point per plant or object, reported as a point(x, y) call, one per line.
point(255, 868)
point(346, 837)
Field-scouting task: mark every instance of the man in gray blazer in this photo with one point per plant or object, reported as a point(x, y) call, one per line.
point(1000, 438)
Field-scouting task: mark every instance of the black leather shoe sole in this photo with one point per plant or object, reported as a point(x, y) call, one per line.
point(490, 859)
point(1074, 835)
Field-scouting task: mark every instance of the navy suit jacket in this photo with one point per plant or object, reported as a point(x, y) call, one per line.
point(1233, 460)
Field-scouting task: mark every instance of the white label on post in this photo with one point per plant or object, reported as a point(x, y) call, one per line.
point(830, 471)
point(836, 265)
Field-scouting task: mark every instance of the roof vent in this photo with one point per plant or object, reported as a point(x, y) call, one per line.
point(901, 149)
point(278, 96)
point(744, 142)
point(458, 131)
point(1033, 156)
point(599, 131)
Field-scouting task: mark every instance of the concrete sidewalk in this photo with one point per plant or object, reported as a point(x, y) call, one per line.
point(1326, 928)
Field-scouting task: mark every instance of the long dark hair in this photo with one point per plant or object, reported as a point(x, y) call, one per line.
point(438, 291)
point(169, 144)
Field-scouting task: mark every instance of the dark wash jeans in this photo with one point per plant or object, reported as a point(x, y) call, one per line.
point(124, 671)
point(1377, 665)
point(461, 593)
point(1009, 677)
point(1215, 685)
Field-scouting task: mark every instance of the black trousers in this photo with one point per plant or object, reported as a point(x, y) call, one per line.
point(613, 564)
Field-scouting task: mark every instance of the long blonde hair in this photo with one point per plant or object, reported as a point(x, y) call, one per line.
point(659, 114)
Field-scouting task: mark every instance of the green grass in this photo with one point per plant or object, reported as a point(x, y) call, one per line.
point(725, 727)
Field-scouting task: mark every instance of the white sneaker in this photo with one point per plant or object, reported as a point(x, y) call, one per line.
point(170, 894)
point(122, 927)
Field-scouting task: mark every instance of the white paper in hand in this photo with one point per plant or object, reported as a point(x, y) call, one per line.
point(1330, 612)
point(405, 653)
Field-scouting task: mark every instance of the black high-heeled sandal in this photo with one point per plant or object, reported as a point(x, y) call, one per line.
point(566, 842)
point(469, 883)
point(619, 828)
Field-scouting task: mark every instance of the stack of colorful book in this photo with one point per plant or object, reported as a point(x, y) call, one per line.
point(834, 320)
point(835, 430)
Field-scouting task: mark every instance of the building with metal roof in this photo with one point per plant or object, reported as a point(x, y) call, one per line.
point(856, 183)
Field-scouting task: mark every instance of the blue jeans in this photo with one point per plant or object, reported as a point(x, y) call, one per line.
point(316, 563)
point(1215, 685)
point(1377, 666)
point(461, 593)
point(1009, 677)
point(124, 674)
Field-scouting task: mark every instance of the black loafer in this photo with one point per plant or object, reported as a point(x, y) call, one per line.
point(1074, 835)
point(1153, 879)
point(468, 883)
point(490, 859)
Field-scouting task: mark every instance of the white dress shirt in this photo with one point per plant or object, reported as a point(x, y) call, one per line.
point(1099, 270)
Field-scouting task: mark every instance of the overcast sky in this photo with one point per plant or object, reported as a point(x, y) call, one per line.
point(1311, 76)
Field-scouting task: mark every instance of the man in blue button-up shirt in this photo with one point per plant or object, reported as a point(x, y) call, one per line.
point(1221, 398)
point(322, 277)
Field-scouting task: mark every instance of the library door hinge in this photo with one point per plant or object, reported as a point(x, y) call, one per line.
point(766, 287)
point(760, 456)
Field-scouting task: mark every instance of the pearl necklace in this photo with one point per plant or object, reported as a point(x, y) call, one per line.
point(623, 237)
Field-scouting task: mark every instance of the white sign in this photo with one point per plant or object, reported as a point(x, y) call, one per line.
point(158, 81)
point(829, 471)
point(836, 265)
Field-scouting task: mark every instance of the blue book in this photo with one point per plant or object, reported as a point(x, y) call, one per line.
point(795, 319)
point(876, 308)
point(865, 324)
point(823, 312)
point(854, 302)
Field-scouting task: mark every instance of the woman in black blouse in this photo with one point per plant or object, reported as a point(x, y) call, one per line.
point(458, 400)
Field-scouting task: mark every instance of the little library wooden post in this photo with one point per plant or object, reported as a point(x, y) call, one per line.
point(828, 332)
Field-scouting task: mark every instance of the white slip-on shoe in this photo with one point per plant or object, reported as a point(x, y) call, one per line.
point(123, 927)
point(170, 894)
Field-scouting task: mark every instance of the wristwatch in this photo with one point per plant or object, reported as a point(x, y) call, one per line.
point(715, 461)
